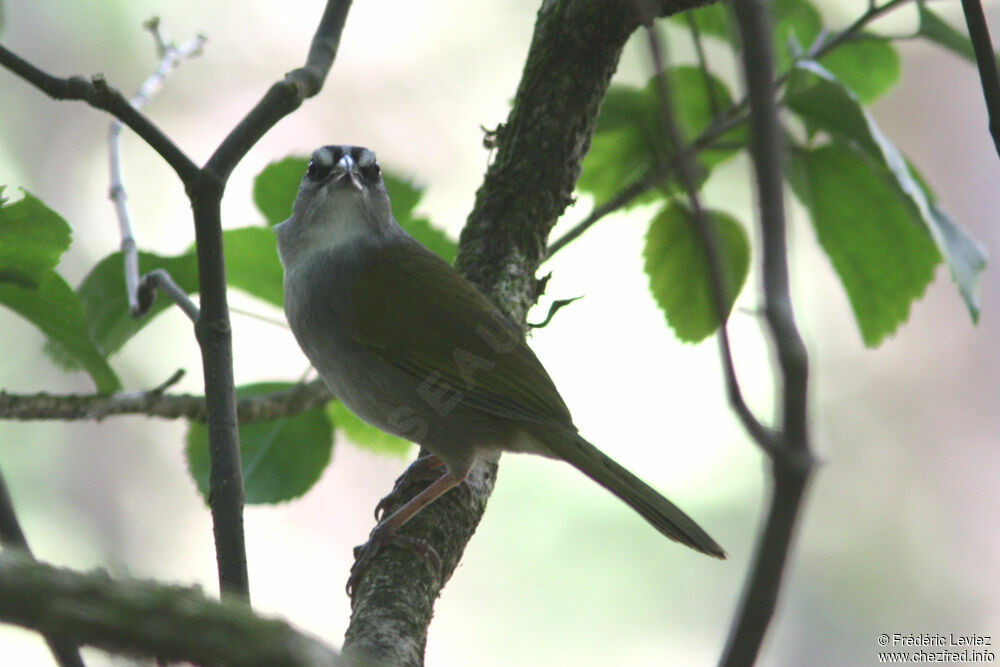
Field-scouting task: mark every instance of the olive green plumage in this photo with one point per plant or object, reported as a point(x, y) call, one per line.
point(411, 346)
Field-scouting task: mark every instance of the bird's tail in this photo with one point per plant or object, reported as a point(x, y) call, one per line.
point(644, 499)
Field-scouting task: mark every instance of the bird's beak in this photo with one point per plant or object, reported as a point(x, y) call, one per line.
point(347, 167)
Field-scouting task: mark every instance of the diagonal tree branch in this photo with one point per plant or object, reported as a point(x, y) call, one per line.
point(97, 93)
point(205, 188)
point(12, 538)
point(989, 75)
point(574, 51)
point(146, 619)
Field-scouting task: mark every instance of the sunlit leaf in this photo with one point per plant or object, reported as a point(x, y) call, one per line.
point(678, 270)
point(868, 65)
point(827, 105)
point(53, 307)
point(631, 138)
point(105, 304)
point(32, 239)
point(872, 234)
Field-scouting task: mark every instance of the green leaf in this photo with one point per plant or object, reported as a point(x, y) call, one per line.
point(631, 139)
point(678, 269)
point(868, 65)
point(32, 239)
point(252, 263)
point(52, 306)
point(795, 21)
point(872, 234)
point(105, 305)
point(825, 104)
point(404, 196)
point(281, 458)
point(714, 20)
point(936, 29)
point(365, 435)
point(275, 187)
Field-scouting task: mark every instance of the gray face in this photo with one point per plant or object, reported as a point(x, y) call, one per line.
point(334, 163)
point(341, 198)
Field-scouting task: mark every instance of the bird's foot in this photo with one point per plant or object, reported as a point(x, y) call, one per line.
point(424, 468)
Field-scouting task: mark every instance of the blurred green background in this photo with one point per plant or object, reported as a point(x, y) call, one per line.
point(899, 531)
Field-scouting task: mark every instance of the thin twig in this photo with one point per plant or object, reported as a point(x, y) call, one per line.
point(699, 50)
point(791, 459)
point(724, 121)
point(710, 244)
point(170, 57)
point(97, 93)
point(12, 537)
point(621, 199)
point(159, 279)
point(213, 327)
point(989, 76)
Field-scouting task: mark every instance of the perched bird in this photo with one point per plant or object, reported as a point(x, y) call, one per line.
point(412, 347)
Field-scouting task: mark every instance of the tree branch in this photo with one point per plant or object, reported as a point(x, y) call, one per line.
point(13, 538)
point(154, 403)
point(146, 619)
point(97, 93)
point(286, 95)
point(574, 52)
point(170, 57)
point(205, 188)
point(212, 328)
point(791, 458)
point(989, 76)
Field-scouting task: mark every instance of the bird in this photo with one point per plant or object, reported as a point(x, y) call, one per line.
point(412, 347)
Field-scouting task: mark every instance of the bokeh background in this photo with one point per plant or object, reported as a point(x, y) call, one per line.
point(899, 533)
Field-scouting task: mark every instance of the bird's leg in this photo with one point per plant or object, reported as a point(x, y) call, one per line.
point(418, 471)
point(386, 529)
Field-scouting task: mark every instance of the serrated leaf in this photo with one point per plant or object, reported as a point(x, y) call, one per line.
point(631, 138)
point(365, 435)
point(52, 306)
point(252, 263)
point(678, 271)
point(32, 239)
point(275, 187)
point(868, 65)
point(872, 234)
point(105, 305)
point(281, 458)
point(827, 105)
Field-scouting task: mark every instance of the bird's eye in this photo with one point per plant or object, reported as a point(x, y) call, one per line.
point(313, 171)
point(371, 171)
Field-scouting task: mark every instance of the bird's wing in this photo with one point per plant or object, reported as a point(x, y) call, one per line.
point(415, 311)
